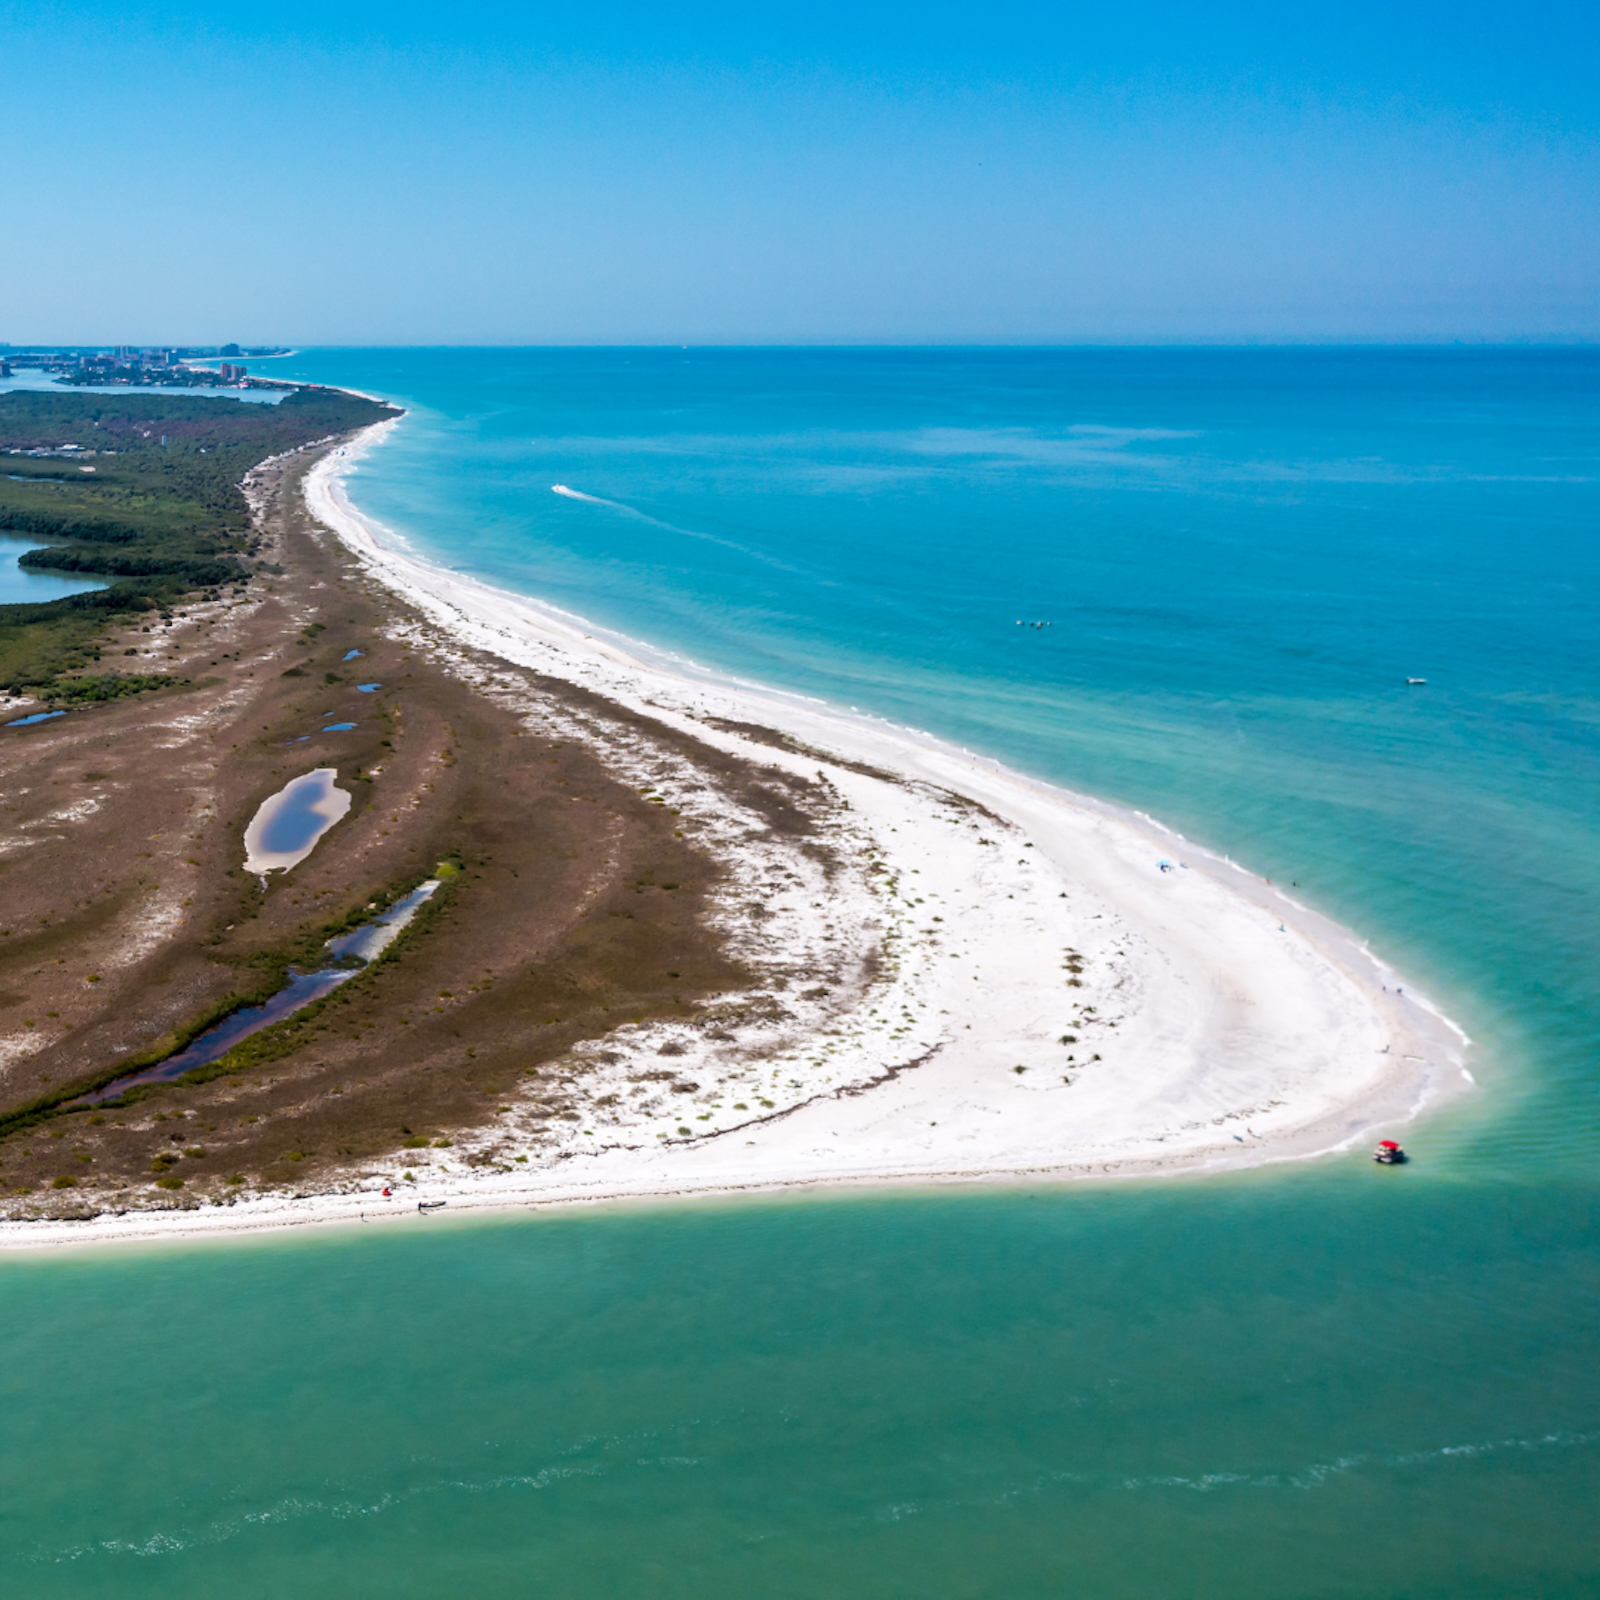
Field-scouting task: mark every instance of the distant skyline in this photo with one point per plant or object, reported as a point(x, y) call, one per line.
point(494, 174)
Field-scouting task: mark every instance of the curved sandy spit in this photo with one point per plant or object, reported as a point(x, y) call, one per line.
point(1231, 1026)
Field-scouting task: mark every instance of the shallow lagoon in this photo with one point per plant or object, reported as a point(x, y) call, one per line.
point(26, 586)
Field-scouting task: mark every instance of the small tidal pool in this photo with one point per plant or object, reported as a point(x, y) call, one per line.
point(288, 824)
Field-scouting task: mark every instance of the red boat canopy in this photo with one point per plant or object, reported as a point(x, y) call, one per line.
point(1387, 1144)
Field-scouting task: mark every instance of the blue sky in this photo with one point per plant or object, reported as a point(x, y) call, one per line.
point(485, 173)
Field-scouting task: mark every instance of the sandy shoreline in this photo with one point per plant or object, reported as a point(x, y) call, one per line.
point(1054, 1005)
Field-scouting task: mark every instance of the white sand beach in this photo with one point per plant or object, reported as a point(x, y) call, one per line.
point(1048, 1001)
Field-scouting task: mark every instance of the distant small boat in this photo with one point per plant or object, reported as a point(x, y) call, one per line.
point(430, 1205)
point(1389, 1154)
point(1416, 680)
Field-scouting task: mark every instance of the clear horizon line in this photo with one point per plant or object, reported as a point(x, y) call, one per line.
point(1079, 342)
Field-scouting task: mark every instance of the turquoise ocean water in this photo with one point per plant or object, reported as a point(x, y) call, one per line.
point(1331, 1380)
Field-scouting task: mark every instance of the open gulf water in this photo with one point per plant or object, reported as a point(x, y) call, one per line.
point(1323, 1379)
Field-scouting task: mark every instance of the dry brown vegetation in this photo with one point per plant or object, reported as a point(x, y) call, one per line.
point(572, 902)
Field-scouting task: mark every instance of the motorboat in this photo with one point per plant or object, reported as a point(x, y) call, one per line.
point(1389, 1154)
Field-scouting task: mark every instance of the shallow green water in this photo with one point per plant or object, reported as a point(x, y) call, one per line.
point(1250, 1387)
